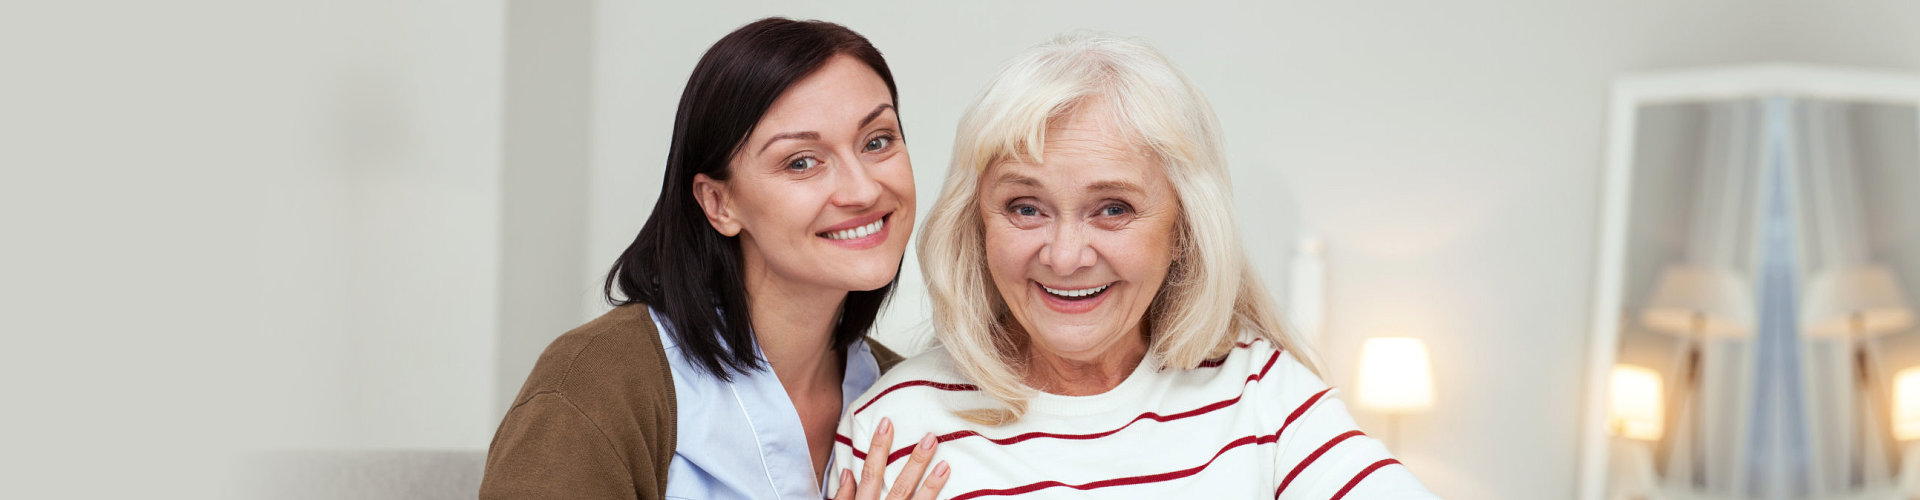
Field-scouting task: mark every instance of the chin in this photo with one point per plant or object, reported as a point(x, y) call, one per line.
point(866, 282)
point(1070, 340)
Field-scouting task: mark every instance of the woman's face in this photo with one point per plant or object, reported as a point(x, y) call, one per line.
point(821, 193)
point(1079, 244)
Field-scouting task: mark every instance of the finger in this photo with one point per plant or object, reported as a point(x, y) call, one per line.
point(846, 485)
point(935, 480)
point(909, 477)
point(873, 472)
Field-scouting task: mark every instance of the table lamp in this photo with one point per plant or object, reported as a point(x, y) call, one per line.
point(1395, 378)
point(1635, 414)
point(1696, 303)
point(1854, 304)
point(1635, 410)
point(1906, 427)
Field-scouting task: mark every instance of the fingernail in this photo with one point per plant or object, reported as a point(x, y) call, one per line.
point(928, 441)
point(940, 469)
point(846, 477)
point(886, 426)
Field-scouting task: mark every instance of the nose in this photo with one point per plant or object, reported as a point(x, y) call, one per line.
point(1068, 251)
point(854, 186)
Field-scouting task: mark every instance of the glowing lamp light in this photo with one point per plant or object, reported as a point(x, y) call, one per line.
point(1906, 404)
point(1394, 375)
point(1634, 410)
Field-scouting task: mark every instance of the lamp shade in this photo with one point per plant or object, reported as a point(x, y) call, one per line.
point(1906, 404)
point(1635, 403)
point(1394, 375)
point(1698, 301)
point(1855, 301)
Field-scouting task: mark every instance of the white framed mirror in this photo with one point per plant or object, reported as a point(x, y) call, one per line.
point(1752, 314)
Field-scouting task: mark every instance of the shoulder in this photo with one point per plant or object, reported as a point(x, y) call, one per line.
point(926, 381)
point(1283, 385)
point(597, 411)
point(620, 351)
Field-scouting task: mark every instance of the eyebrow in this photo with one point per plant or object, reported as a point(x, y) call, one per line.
point(1012, 178)
point(1109, 186)
point(882, 108)
point(815, 136)
point(811, 136)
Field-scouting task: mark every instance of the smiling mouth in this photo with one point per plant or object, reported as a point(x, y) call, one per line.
point(858, 232)
point(1079, 294)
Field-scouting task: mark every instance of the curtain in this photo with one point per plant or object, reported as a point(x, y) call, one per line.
point(1824, 179)
point(1721, 235)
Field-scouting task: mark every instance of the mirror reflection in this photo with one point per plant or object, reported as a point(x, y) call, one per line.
point(1767, 346)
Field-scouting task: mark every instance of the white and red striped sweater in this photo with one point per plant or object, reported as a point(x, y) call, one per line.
point(1255, 424)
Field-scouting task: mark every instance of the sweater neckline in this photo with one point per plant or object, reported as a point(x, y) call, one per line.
point(1128, 391)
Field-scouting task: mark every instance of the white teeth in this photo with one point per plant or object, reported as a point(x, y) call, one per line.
point(858, 232)
point(1076, 293)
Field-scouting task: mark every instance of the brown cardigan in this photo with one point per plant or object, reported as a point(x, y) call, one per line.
point(596, 417)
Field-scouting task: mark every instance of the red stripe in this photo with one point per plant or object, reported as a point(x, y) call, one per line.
point(1124, 481)
point(896, 455)
point(837, 438)
point(1216, 362)
point(1167, 476)
point(1310, 458)
point(911, 383)
point(1302, 410)
point(1362, 475)
point(1263, 369)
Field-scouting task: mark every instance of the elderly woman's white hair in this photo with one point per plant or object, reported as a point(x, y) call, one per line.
point(1211, 293)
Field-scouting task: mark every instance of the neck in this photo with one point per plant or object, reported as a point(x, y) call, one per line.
point(794, 328)
point(1084, 375)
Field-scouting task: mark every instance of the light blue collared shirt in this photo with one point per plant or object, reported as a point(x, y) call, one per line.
point(743, 439)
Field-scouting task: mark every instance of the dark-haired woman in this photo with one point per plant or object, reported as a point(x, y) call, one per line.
point(743, 304)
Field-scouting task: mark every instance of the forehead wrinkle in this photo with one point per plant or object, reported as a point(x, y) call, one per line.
point(1094, 140)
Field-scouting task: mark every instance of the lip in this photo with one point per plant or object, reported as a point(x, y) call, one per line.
point(1061, 305)
point(863, 242)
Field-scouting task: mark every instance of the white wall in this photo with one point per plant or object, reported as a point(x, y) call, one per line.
point(234, 226)
point(547, 147)
point(1448, 152)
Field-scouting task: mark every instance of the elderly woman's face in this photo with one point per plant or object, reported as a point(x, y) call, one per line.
point(1079, 244)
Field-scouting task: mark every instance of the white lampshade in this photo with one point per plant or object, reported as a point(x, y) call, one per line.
point(1394, 375)
point(1635, 410)
point(1906, 404)
point(1697, 301)
point(1864, 301)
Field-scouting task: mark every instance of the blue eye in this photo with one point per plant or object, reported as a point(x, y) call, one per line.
point(1026, 211)
point(802, 164)
point(879, 143)
point(1114, 210)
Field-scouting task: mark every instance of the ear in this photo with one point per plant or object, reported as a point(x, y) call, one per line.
point(717, 203)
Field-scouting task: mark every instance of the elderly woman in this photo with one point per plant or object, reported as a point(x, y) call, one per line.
point(1101, 333)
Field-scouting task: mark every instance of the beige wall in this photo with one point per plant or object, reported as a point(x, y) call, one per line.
point(234, 226)
point(1449, 153)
